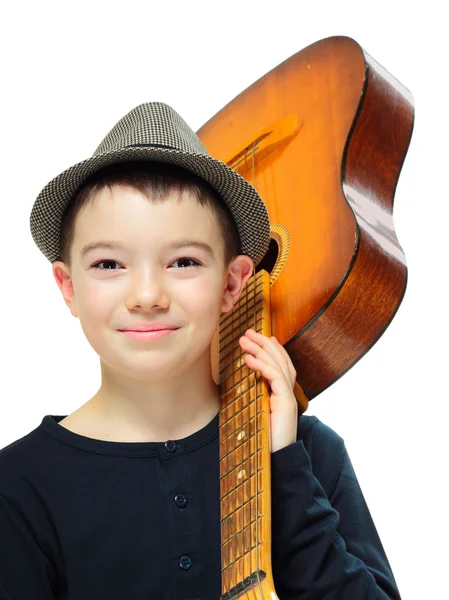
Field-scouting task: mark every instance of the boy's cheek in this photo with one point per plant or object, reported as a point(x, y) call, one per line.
point(96, 309)
point(205, 295)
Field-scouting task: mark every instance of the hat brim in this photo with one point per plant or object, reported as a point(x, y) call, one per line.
point(249, 211)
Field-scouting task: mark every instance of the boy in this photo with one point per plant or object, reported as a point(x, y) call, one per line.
point(150, 241)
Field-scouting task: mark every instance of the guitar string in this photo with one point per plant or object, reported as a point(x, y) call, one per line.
point(233, 565)
point(248, 287)
point(229, 333)
point(250, 474)
point(232, 420)
point(247, 526)
point(256, 476)
point(241, 318)
point(239, 468)
point(243, 366)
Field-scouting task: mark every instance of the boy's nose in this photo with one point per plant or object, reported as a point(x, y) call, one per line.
point(147, 290)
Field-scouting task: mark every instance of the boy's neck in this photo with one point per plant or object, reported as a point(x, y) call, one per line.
point(122, 411)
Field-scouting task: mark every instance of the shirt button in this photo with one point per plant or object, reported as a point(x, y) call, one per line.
point(171, 446)
point(180, 500)
point(185, 562)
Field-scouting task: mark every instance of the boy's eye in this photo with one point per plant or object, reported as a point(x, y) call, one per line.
point(182, 260)
point(103, 262)
point(185, 259)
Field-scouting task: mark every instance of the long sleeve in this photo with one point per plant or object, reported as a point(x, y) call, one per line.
point(25, 571)
point(324, 548)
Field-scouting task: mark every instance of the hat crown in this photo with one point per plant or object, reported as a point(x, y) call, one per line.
point(153, 132)
point(152, 124)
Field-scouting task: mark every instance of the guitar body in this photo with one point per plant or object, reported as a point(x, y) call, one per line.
point(322, 137)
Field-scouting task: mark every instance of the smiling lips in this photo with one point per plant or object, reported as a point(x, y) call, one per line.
point(146, 327)
point(147, 332)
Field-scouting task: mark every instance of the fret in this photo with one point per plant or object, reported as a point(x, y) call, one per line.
point(243, 543)
point(233, 352)
point(236, 422)
point(229, 383)
point(235, 498)
point(237, 320)
point(236, 520)
point(238, 419)
point(233, 360)
point(243, 469)
point(236, 328)
point(238, 441)
point(234, 483)
point(252, 500)
point(241, 385)
point(237, 366)
point(242, 565)
point(254, 283)
point(245, 303)
point(244, 444)
point(245, 300)
point(234, 405)
point(247, 533)
point(249, 294)
point(241, 309)
point(242, 449)
point(237, 358)
point(243, 569)
point(241, 324)
point(245, 540)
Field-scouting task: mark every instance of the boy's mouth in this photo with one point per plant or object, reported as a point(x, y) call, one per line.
point(148, 327)
point(153, 334)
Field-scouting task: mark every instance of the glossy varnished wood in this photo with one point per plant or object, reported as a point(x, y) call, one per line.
point(340, 128)
point(367, 299)
point(322, 137)
point(245, 450)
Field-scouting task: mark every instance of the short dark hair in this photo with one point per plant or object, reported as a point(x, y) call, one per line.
point(157, 181)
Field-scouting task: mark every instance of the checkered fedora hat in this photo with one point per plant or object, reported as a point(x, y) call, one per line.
point(154, 132)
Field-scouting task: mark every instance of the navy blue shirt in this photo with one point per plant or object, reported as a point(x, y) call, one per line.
point(86, 519)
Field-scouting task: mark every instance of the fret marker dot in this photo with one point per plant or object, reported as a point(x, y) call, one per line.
point(241, 474)
point(241, 435)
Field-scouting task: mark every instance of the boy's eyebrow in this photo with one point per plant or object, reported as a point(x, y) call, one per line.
point(193, 243)
point(172, 246)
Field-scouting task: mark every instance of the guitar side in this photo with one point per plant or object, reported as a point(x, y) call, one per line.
point(323, 137)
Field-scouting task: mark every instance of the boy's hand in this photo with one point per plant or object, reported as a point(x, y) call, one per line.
point(269, 357)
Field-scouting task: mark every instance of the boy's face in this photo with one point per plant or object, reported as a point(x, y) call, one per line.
point(144, 281)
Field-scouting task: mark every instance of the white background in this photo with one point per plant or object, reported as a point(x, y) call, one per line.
point(70, 71)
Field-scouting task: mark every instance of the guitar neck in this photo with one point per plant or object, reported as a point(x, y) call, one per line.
point(245, 456)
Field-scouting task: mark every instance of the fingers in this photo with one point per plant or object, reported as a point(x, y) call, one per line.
point(284, 352)
point(269, 351)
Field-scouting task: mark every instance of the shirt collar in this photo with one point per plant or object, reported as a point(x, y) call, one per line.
point(50, 426)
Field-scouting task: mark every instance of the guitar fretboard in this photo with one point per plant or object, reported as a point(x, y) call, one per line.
point(244, 445)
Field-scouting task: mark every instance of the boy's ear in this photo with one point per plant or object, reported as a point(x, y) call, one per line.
point(239, 271)
point(61, 273)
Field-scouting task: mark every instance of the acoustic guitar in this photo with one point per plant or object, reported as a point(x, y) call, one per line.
point(322, 137)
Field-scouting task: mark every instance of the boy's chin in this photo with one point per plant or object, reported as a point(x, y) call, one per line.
point(157, 371)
